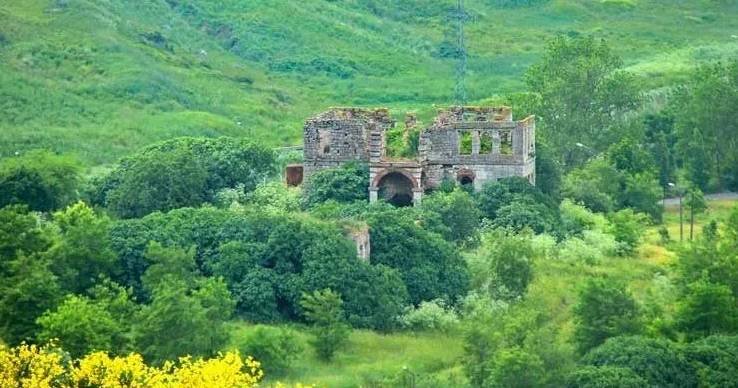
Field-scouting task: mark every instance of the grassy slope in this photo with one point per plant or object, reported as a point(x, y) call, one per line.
point(100, 78)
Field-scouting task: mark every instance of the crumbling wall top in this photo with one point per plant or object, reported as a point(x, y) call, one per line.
point(349, 113)
point(470, 114)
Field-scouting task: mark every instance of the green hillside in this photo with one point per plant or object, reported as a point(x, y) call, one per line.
point(100, 78)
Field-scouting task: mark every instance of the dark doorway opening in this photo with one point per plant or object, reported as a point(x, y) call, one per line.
point(397, 189)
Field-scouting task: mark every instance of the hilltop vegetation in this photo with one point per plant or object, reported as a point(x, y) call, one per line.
point(101, 79)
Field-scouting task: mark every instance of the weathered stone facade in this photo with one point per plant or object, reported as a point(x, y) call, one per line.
point(472, 145)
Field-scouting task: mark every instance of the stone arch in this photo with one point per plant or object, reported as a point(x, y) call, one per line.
point(465, 177)
point(409, 176)
point(396, 186)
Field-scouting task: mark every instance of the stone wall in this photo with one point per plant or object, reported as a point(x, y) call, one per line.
point(341, 135)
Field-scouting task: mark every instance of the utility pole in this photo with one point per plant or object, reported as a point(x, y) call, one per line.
point(460, 88)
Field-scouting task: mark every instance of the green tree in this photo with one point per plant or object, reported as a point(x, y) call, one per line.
point(83, 252)
point(182, 172)
point(583, 94)
point(28, 289)
point(516, 368)
point(21, 233)
point(605, 309)
point(324, 310)
point(715, 358)
point(605, 377)
point(627, 227)
point(276, 348)
point(39, 179)
point(430, 267)
point(187, 313)
point(458, 215)
point(80, 325)
point(707, 309)
point(658, 361)
point(504, 265)
point(344, 184)
point(706, 120)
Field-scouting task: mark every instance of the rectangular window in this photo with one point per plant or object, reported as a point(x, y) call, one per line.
point(506, 143)
point(485, 143)
point(465, 143)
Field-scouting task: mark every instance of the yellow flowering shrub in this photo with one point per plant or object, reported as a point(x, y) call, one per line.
point(40, 367)
point(31, 366)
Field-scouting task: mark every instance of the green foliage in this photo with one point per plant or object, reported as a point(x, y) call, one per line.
point(503, 268)
point(276, 348)
point(516, 204)
point(457, 213)
point(187, 313)
point(429, 266)
point(714, 358)
point(514, 367)
point(83, 253)
point(605, 309)
point(27, 290)
point(705, 123)
point(80, 325)
point(39, 179)
point(707, 309)
point(267, 261)
point(324, 310)
point(584, 93)
point(658, 361)
point(627, 227)
point(182, 172)
point(430, 315)
point(21, 233)
point(274, 197)
point(605, 377)
point(344, 184)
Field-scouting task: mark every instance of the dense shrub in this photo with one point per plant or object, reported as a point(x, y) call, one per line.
point(604, 377)
point(516, 204)
point(605, 309)
point(503, 266)
point(458, 216)
point(430, 315)
point(39, 179)
point(715, 358)
point(182, 172)
point(267, 261)
point(344, 184)
point(658, 361)
point(274, 347)
point(430, 267)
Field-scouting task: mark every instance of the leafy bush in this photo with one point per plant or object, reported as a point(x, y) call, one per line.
point(627, 227)
point(324, 310)
point(658, 361)
point(605, 309)
point(344, 184)
point(604, 377)
point(715, 358)
point(42, 365)
point(430, 315)
point(457, 213)
point(503, 266)
point(430, 267)
point(275, 348)
point(39, 179)
point(182, 172)
point(80, 326)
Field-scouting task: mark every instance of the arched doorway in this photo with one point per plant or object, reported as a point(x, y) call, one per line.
point(396, 188)
point(465, 178)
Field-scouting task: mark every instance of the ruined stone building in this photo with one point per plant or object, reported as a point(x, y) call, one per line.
point(471, 145)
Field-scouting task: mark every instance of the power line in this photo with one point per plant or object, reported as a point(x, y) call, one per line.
point(460, 87)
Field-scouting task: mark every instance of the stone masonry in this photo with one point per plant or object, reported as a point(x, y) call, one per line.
point(471, 145)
